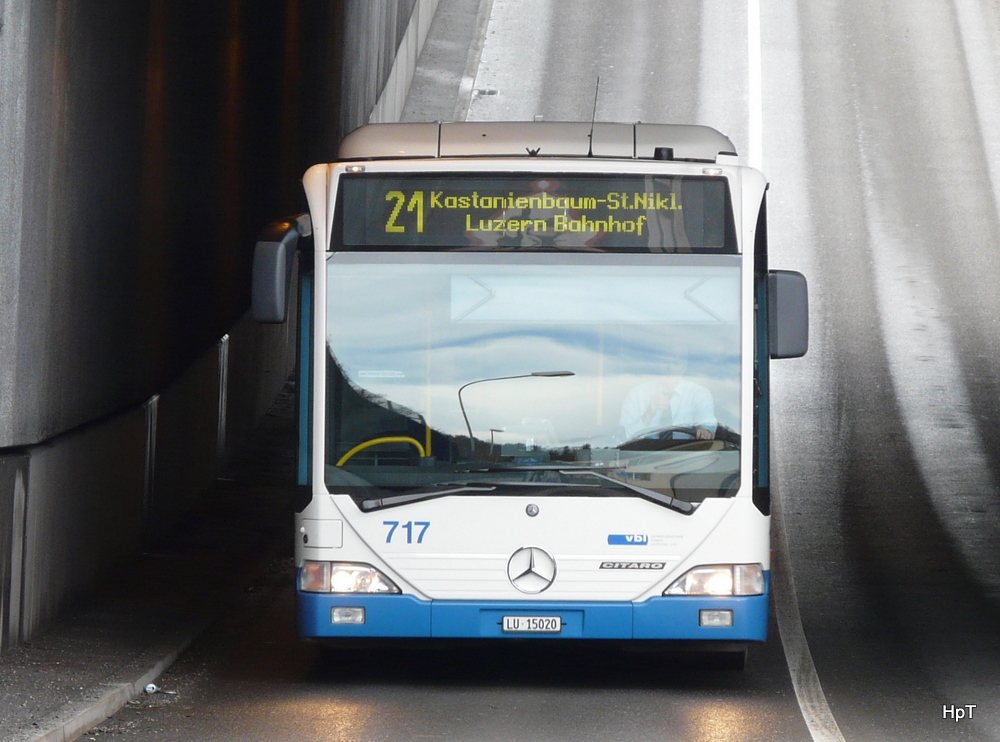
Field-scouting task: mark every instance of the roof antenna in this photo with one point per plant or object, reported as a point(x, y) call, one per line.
point(593, 118)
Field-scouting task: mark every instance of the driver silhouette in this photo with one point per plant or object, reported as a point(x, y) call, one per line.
point(669, 401)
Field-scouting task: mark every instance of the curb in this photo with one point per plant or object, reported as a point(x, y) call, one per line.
point(78, 721)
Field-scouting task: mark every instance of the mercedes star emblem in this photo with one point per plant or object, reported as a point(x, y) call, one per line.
point(531, 570)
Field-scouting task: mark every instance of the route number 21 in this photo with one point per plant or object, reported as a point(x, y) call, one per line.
point(416, 205)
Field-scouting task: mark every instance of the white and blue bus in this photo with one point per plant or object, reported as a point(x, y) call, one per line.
point(533, 383)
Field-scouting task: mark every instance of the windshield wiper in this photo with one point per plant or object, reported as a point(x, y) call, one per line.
point(393, 500)
point(379, 503)
point(681, 506)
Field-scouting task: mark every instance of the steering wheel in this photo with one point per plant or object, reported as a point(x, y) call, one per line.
point(668, 433)
point(662, 439)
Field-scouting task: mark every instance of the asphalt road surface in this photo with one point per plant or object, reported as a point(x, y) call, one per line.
point(878, 125)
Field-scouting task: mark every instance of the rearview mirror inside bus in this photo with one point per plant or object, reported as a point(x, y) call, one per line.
point(787, 314)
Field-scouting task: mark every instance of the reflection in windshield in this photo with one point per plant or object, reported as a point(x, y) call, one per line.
point(443, 365)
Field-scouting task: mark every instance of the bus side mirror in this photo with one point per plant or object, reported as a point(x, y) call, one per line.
point(273, 260)
point(787, 314)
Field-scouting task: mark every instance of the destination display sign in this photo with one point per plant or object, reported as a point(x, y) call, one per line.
point(623, 213)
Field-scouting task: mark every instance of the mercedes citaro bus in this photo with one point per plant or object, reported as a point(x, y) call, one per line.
point(533, 383)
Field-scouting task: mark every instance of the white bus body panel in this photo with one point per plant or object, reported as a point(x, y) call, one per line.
point(464, 550)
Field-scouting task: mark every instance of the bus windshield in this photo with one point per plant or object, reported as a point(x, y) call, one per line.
point(468, 373)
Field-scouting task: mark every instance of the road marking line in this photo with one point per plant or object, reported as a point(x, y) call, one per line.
point(808, 691)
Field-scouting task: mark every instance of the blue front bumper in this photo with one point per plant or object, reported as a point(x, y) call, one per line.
point(403, 616)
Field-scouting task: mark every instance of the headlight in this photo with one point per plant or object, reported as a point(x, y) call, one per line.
point(720, 580)
point(337, 577)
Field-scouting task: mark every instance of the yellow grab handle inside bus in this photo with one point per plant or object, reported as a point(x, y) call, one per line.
point(377, 441)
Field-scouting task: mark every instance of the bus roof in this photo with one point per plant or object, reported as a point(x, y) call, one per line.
point(536, 138)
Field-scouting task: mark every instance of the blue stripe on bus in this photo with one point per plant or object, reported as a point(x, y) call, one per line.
point(656, 618)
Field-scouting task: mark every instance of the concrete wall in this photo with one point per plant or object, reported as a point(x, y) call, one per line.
point(396, 86)
point(142, 147)
point(75, 505)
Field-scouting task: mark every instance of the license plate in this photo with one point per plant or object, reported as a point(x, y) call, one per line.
point(532, 624)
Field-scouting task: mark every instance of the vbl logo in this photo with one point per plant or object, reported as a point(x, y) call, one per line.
point(632, 539)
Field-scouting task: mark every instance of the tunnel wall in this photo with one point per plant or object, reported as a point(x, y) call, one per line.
point(142, 147)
